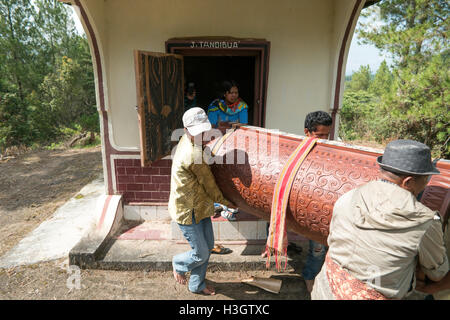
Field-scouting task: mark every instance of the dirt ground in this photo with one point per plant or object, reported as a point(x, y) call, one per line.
point(33, 185)
point(50, 281)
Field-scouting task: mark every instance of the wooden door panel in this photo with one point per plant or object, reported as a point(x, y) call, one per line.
point(159, 85)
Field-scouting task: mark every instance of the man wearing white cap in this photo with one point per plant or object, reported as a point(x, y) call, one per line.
point(193, 191)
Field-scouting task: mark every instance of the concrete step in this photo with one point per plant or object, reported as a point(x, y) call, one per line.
point(154, 222)
point(155, 212)
point(224, 231)
point(156, 255)
point(146, 244)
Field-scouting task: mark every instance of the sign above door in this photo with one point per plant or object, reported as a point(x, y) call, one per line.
point(214, 44)
point(232, 47)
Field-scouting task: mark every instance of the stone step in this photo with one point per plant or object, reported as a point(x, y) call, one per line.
point(146, 212)
point(144, 238)
point(225, 232)
point(144, 230)
point(245, 229)
point(151, 223)
point(151, 245)
point(241, 231)
point(231, 230)
point(156, 255)
point(160, 213)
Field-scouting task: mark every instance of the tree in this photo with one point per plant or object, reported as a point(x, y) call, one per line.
point(413, 30)
point(57, 30)
point(46, 76)
point(69, 95)
point(382, 81)
point(18, 77)
point(358, 115)
point(419, 105)
point(415, 33)
point(360, 79)
point(17, 46)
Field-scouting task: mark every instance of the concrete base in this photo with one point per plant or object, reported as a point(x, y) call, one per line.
point(150, 245)
point(240, 230)
point(146, 213)
point(246, 226)
point(108, 223)
point(144, 238)
point(156, 255)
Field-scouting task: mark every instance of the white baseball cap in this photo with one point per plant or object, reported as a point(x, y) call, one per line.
point(196, 121)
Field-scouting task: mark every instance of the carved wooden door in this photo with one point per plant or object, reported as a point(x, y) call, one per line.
point(160, 98)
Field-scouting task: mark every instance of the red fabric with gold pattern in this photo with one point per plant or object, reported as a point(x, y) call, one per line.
point(344, 286)
point(277, 239)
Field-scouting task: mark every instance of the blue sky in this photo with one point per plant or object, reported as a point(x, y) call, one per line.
point(359, 55)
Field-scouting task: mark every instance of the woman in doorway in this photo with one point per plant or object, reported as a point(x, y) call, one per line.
point(228, 108)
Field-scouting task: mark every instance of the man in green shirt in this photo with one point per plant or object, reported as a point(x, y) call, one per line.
point(193, 191)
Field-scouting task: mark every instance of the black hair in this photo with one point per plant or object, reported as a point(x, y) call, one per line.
point(313, 119)
point(227, 85)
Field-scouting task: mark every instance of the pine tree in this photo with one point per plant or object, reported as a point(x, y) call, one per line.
point(56, 26)
point(415, 34)
point(413, 30)
point(39, 47)
point(16, 45)
point(360, 80)
point(382, 81)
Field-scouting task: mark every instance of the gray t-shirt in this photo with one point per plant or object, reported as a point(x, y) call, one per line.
point(378, 233)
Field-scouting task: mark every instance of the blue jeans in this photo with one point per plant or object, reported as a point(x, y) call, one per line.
point(314, 260)
point(201, 239)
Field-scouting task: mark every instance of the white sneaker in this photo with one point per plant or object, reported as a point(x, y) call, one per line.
point(228, 215)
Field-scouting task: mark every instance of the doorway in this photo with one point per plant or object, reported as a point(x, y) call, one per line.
point(210, 60)
point(207, 73)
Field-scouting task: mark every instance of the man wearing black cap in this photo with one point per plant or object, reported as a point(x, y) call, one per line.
point(379, 232)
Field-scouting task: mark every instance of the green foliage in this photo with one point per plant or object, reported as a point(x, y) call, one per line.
point(90, 122)
point(420, 105)
point(360, 116)
point(413, 30)
point(360, 80)
point(382, 82)
point(46, 75)
point(410, 101)
point(68, 94)
point(54, 145)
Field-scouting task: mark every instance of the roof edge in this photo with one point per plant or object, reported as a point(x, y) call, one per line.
point(370, 3)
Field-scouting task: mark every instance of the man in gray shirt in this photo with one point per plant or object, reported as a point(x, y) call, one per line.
point(379, 232)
